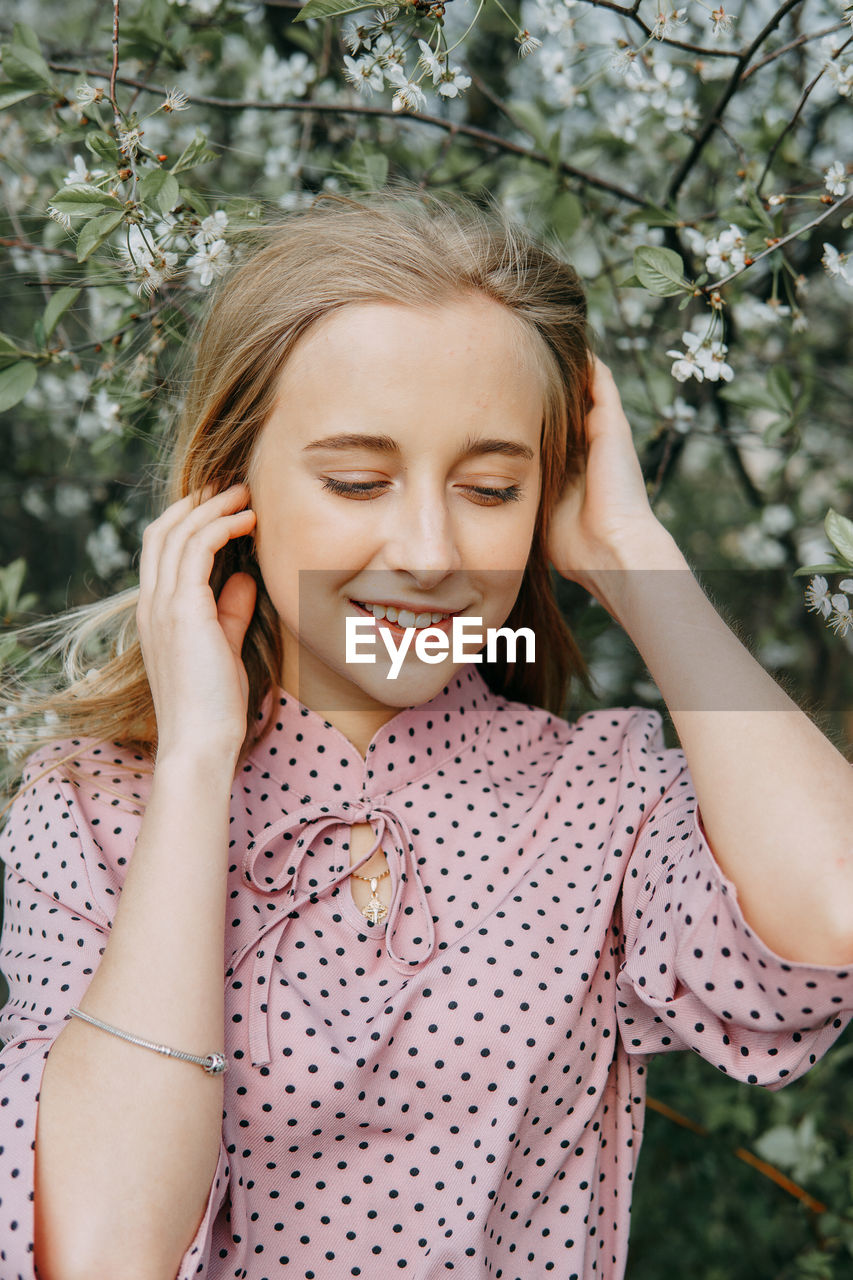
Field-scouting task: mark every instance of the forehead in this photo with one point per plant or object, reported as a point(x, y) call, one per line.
point(468, 353)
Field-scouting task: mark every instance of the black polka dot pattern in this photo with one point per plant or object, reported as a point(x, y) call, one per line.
point(460, 1088)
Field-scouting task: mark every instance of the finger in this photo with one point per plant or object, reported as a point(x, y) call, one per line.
point(178, 533)
point(199, 551)
point(607, 415)
point(235, 607)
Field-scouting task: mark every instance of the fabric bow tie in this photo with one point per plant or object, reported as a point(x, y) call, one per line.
point(271, 865)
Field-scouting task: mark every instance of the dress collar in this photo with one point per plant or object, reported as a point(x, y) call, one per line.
point(309, 756)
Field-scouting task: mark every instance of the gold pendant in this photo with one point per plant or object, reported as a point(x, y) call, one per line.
point(375, 911)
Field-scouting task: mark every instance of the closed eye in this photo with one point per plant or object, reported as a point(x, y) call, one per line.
point(365, 488)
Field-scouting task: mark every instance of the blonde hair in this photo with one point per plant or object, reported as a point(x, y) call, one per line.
point(394, 245)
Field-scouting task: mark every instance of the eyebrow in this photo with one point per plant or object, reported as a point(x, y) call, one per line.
point(471, 447)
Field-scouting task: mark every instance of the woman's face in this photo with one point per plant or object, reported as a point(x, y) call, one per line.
point(365, 484)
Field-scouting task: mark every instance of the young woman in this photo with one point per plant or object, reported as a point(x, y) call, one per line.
point(435, 929)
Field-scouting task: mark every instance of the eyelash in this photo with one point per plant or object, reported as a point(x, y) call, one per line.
point(511, 494)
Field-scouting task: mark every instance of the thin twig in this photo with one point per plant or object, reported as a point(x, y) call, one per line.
point(17, 242)
point(713, 285)
point(770, 1171)
point(728, 93)
point(795, 117)
point(481, 137)
point(114, 72)
point(792, 44)
point(631, 13)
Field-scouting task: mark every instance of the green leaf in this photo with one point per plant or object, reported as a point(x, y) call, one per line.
point(839, 530)
point(661, 271)
point(26, 67)
point(103, 146)
point(8, 347)
point(56, 308)
point(96, 231)
point(15, 95)
point(330, 9)
point(566, 214)
point(631, 283)
point(780, 387)
point(652, 215)
point(22, 34)
point(821, 568)
point(194, 153)
point(81, 197)
point(15, 382)
point(160, 189)
point(532, 120)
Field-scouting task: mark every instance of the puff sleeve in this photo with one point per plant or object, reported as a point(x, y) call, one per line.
point(693, 973)
point(55, 930)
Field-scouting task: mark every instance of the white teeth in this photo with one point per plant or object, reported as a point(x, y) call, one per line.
point(403, 617)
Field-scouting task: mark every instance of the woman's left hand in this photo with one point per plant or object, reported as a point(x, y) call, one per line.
point(603, 519)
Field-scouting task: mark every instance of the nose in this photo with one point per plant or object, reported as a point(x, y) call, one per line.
point(421, 535)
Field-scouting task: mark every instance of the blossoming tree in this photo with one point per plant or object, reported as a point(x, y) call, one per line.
point(695, 164)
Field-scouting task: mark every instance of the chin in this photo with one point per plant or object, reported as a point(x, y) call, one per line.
point(411, 687)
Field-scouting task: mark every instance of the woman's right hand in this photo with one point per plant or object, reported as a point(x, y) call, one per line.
point(191, 643)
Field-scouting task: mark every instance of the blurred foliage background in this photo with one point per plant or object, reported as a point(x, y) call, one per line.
point(694, 163)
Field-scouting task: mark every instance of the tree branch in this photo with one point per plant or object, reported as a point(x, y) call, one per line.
point(794, 118)
point(481, 137)
point(705, 51)
point(727, 95)
point(713, 285)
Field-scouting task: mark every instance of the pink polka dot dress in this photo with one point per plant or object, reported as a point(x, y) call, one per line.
point(459, 1088)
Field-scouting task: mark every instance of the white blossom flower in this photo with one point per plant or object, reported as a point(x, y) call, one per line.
point(175, 101)
point(434, 63)
point(105, 550)
point(622, 121)
point(60, 216)
point(777, 518)
point(279, 78)
point(842, 616)
point(71, 500)
point(364, 73)
point(212, 228)
point(680, 416)
point(453, 82)
point(836, 264)
point(356, 37)
point(624, 63)
point(526, 42)
point(841, 75)
point(835, 179)
point(409, 95)
point(703, 358)
point(775, 200)
point(727, 252)
point(79, 173)
point(681, 114)
point(147, 261)
point(666, 23)
point(87, 94)
point(722, 21)
point(128, 141)
point(210, 261)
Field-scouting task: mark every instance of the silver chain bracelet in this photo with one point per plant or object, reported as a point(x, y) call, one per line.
point(213, 1063)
